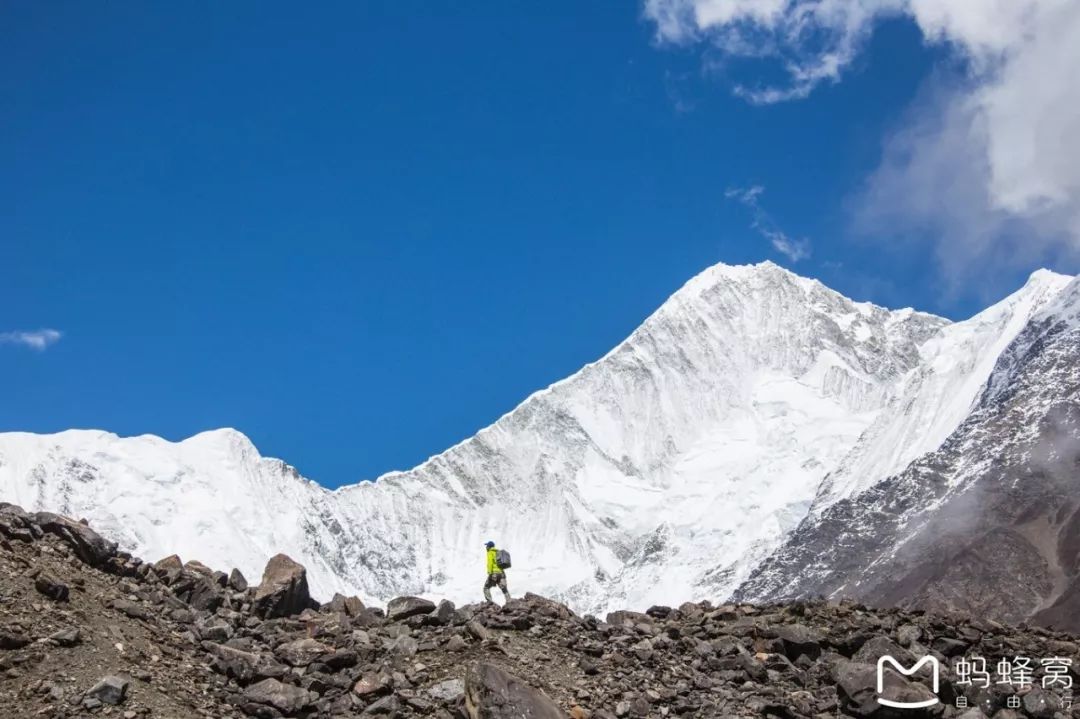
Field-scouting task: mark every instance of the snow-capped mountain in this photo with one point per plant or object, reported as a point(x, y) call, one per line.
point(988, 523)
point(751, 402)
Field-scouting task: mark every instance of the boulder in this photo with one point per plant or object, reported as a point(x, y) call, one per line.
point(448, 691)
point(401, 608)
point(284, 697)
point(858, 683)
point(245, 666)
point(283, 590)
point(879, 646)
point(198, 589)
point(1041, 704)
point(168, 568)
point(799, 639)
point(302, 652)
point(13, 638)
point(66, 637)
point(371, 685)
point(17, 524)
point(110, 690)
point(237, 581)
point(349, 606)
point(491, 693)
point(89, 546)
point(51, 587)
point(390, 705)
point(198, 567)
point(625, 616)
point(131, 609)
point(443, 614)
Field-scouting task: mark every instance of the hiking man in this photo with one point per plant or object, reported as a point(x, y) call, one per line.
point(498, 562)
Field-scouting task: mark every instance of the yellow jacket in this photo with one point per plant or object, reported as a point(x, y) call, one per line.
point(492, 567)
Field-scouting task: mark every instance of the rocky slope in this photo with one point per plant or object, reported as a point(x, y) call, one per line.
point(670, 468)
point(87, 630)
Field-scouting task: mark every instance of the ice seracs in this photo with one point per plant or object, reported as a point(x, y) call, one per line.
point(667, 469)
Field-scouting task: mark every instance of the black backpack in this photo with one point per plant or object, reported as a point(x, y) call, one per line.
point(502, 559)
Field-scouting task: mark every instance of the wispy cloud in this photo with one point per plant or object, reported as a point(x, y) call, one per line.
point(792, 248)
point(984, 162)
point(34, 339)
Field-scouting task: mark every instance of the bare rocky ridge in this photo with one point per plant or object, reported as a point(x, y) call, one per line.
point(87, 630)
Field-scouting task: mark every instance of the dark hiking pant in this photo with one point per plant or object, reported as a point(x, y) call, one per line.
point(495, 579)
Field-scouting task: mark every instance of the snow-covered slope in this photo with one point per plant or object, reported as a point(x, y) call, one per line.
point(667, 469)
point(934, 399)
point(988, 523)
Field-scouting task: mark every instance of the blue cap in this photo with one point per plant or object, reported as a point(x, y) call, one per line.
point(489, 543)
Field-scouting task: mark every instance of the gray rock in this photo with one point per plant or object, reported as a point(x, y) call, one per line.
point(444, 613)
point(799, 639)
point(491, 693)
point(284, 697)
point(66, 637)
point(12, 639)
point(16, 524)
point(1041, 704)
point(448, 691)
point(89, 546)
point(245, 666)
point(198, 589)
point(371, 685)
point(403, 646)
point(302, 652)
point(168, 568)
point(237, 582)
point(858, 683)
point(387, 705)
point(214, 630)
point(283, 590)
point(623, 616)
point(110, 690)
point(51, 587)
point(401, 608)
point(879, 646)
point(131, 609)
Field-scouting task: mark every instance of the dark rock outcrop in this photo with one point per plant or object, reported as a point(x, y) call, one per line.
point(283, 590)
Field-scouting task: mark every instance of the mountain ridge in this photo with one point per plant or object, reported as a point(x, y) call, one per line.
point(708, 431)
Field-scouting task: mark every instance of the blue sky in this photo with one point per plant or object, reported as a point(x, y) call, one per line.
point(362, 232)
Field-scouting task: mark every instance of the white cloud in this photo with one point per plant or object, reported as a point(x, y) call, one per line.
point(36, 339)
point(793, 249)
point(986, 161)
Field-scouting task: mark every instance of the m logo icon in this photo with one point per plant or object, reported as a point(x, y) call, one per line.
point(935, 678)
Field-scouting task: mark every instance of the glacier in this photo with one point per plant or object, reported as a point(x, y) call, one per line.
point(668, 469)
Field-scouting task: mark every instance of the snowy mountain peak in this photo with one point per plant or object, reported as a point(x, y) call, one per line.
point(750, 396)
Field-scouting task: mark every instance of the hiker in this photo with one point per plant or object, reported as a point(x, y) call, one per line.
point(498, 561)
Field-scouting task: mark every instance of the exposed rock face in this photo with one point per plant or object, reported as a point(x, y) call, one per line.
point(491, 693)
point(283, 590)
